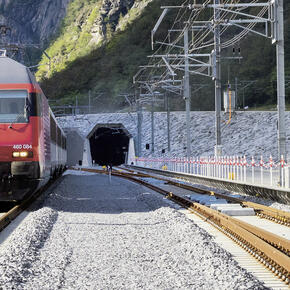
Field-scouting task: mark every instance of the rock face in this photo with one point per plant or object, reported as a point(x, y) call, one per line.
point(35, 21)
point(110, 12)
point(88, 26)
point(31, 21)
point(112, 9)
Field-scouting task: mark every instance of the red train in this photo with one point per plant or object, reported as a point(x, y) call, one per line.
point(32, 145)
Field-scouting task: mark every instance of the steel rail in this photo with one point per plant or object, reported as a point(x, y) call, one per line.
point(10, 215)
point(273, 214)
point(276, 215)
point(270, 256)
point(278, 242)
point(254, 239)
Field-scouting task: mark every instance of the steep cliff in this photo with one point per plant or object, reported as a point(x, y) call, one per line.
point(32, 21)
point(100, 45)
point(88, 25)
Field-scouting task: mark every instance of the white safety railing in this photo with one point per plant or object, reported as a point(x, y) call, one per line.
point(235, 168)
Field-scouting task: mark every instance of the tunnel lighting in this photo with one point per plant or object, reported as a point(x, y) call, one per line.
point(22, 154)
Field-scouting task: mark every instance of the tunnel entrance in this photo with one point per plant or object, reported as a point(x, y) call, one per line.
point(109, 144)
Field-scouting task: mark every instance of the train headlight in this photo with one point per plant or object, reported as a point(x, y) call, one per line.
point(22, 154)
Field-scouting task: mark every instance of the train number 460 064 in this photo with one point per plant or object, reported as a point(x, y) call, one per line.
point(22, 146)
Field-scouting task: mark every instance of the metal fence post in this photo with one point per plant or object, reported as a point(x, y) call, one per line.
point(287, 176)
point(245, 168)
point(271, 171)
point(282, 171)
point(261, 165)
point(237, 167)
point(253, 168)
point(207, 167)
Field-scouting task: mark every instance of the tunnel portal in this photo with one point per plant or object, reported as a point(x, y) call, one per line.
point(109, 145)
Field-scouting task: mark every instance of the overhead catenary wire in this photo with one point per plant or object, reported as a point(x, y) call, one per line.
point(202, 39)
point(193, 16)
point(169, 50)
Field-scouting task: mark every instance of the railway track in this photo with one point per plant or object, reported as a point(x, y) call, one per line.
point(270, 249)
point(9, 211)
point(275, 215)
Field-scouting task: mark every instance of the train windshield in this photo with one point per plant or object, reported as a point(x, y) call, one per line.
point(13, 106)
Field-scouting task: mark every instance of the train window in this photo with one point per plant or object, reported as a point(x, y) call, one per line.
point(52, 130)
point(13, 106)
point(39, 102)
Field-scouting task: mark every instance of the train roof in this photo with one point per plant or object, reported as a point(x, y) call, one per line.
point(13, 72)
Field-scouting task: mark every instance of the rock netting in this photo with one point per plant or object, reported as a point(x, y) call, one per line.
point(248, 133)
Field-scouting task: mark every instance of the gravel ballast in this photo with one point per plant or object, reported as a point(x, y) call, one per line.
point(93, 234)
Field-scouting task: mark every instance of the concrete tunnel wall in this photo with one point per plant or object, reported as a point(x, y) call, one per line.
point(109, 143)
point(75, 146)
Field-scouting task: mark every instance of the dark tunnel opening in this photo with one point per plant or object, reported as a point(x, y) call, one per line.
point(109, 146)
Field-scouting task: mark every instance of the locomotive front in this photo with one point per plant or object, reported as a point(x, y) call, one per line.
point(21, 129)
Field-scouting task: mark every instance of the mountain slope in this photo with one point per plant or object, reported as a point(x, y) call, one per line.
point(99, 47)
point(102, 42)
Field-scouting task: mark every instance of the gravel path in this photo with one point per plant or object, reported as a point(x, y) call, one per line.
point(90, 234)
